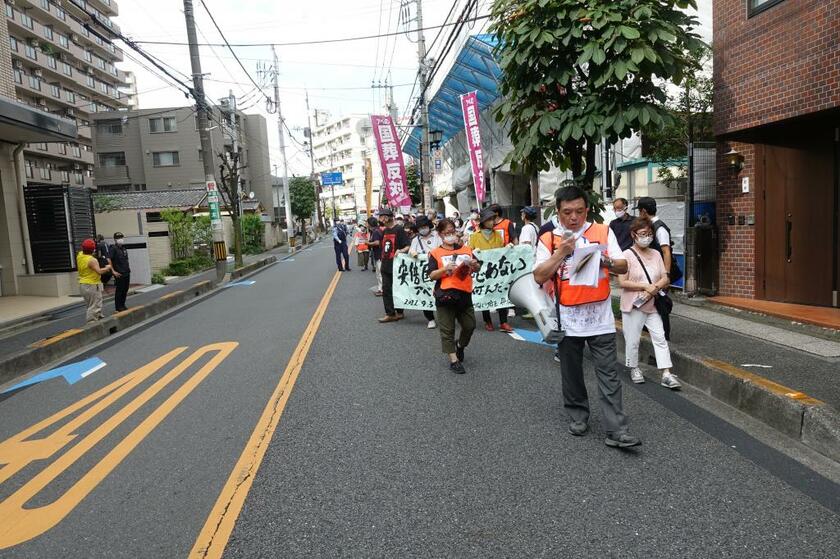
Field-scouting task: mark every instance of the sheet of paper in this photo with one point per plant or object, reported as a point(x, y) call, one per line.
point(585, 265)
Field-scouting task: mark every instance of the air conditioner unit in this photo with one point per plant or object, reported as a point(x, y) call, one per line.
point(33, 42)
point(38, 73)
point(17, 63)
point(70, 112)
point(77, 167)
point(42, 102)
point(85, 69)
point(74, 37)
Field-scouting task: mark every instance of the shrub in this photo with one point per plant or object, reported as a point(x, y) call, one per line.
point(157, 277)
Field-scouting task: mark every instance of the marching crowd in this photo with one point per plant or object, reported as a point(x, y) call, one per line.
point(634, 250)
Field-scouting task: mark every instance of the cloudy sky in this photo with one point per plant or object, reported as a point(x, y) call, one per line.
point(338, 76)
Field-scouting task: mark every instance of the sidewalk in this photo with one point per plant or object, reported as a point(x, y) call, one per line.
point(48, 323)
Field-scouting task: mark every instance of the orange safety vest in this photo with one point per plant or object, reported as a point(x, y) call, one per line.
point(361, 242)
point(453, 281)
point(573, 295)
point(504, 227)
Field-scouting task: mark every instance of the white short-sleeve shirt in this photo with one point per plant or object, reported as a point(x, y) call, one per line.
point(662, 235)
point(590, 319)
point(529, 235)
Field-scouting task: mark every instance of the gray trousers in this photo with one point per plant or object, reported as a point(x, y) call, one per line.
point(575, 398)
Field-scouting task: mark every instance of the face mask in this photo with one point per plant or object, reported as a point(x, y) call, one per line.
point(424, 231)
point(450, 239)
point(620, 213)
point(119, 242)
point(644, 242)
point(487, 232)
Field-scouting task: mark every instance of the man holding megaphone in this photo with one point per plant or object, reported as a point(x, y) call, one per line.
point(586, 314)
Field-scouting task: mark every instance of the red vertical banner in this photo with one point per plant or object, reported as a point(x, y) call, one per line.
point(469, 105)
point(391, 161)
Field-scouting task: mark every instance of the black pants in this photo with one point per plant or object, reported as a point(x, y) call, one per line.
point(388, 293)
point(430, 315)
point(122, 291)
point(341, 252)
point(503, 314)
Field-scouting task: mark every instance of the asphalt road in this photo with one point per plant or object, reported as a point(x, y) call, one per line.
point(380, 451)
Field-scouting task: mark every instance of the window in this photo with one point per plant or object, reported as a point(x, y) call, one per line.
point(153, 217)
point(13, 43)
point(18, 77)
point(88, 56)
point(165, 159)
point(758, 6)
point(10, 11)
point(55, 90)
point(52, 63)
point(100, 63)
point(63, 41)
point(109, 127)
point(45, 4)
point(30, 170)
point(65, 176)
point(35, 82)
point(104, 87)
point(59, 13)
point(77, 151)
point(78, 178)
point(90, 81)
point(66, 69)
point(30, 51)
point(46, 172)
point(112, 159)
point(48, 32)
point(165, 124)
point(42, 146)
point(70, 95)
point(62, 148)
point(27, 21)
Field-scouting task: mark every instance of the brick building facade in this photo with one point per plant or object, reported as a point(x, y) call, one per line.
point(777, 104)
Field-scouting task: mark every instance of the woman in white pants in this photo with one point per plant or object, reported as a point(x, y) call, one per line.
point(637, 307)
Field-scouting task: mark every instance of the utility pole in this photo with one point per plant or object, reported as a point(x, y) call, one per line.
point(290, 220)
point(312, 176)
point(425, 153)
point(219, 248)
point(233, 174)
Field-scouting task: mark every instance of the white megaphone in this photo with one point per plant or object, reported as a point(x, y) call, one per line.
point(525, 292)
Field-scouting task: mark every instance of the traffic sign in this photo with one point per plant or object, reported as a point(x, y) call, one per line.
point(331, 179)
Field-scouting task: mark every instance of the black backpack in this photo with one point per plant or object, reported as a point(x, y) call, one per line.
point(674, 274)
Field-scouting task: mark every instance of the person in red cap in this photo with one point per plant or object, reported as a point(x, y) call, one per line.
point(90, 280)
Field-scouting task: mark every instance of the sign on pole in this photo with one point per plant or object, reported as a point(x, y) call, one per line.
point(332, 179)
point(469, 105)
point(391, 160)
point(213, 204)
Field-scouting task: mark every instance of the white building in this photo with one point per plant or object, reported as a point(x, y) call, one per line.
point(342, 145)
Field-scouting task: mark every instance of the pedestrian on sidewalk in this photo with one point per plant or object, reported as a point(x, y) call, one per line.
point(645, 280)
point(342, 256)
point(486, 238)
point(585, 315)
point(394, 241)
point(621, 224)
point(375, 244)
point(118, 259)
point(90, 280)
point(451, 266)
point(101, 253)
point(360, 239)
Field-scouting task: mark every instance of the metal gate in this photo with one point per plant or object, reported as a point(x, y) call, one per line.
point(60, 217)
point(701, 239)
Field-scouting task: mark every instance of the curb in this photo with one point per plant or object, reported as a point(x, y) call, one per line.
point(799, 416)
point(54, 348)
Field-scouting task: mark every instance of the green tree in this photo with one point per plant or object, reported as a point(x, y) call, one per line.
point(181, 232)
point(575, 72)
point(302, 200)
point(412, 176)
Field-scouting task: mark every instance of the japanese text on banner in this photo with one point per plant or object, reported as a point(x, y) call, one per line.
point(391, 161)
point(469, 105)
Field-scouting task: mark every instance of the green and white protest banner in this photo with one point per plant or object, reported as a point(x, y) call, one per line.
point(499, 268)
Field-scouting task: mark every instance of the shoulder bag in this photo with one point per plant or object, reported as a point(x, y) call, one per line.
point(662, 301)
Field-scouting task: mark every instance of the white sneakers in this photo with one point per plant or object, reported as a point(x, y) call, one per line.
point(431, 325)
point(637, 376)
point(670, 380)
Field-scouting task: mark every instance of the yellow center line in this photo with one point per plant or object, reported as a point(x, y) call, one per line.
point(214, 536)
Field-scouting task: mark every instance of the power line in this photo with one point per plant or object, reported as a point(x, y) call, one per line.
point(318, 42)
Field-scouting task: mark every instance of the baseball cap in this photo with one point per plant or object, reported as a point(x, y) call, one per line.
point(646, 203)
point(530, 212)
point(385, 211)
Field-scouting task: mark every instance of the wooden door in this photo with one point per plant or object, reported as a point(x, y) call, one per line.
point(799, 226)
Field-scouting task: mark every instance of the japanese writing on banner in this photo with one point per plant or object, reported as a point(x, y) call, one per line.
point(391, 161)
point(469, 105)
point(499, 268)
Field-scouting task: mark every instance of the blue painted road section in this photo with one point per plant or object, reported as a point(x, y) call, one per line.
point(243, 283)
point(72, 373)
point(530, 336)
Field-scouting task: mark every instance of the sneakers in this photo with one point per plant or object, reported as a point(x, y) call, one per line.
point(557, 357)
point(637, 376)
point(622, 440)
point(378, 294)
point(489, 326)
point(506, 328)
point(578, 428)
point(457, 368)
point(670, 380)
point(459, 353)
point(431, 325)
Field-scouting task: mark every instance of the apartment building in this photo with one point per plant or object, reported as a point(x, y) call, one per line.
point(60, 69)
point(159, 149)
point(342, 145)
point(777, 122)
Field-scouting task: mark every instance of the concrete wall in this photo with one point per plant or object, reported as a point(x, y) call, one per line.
point(259, 164)
point(12, 254)
point(132, 223)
